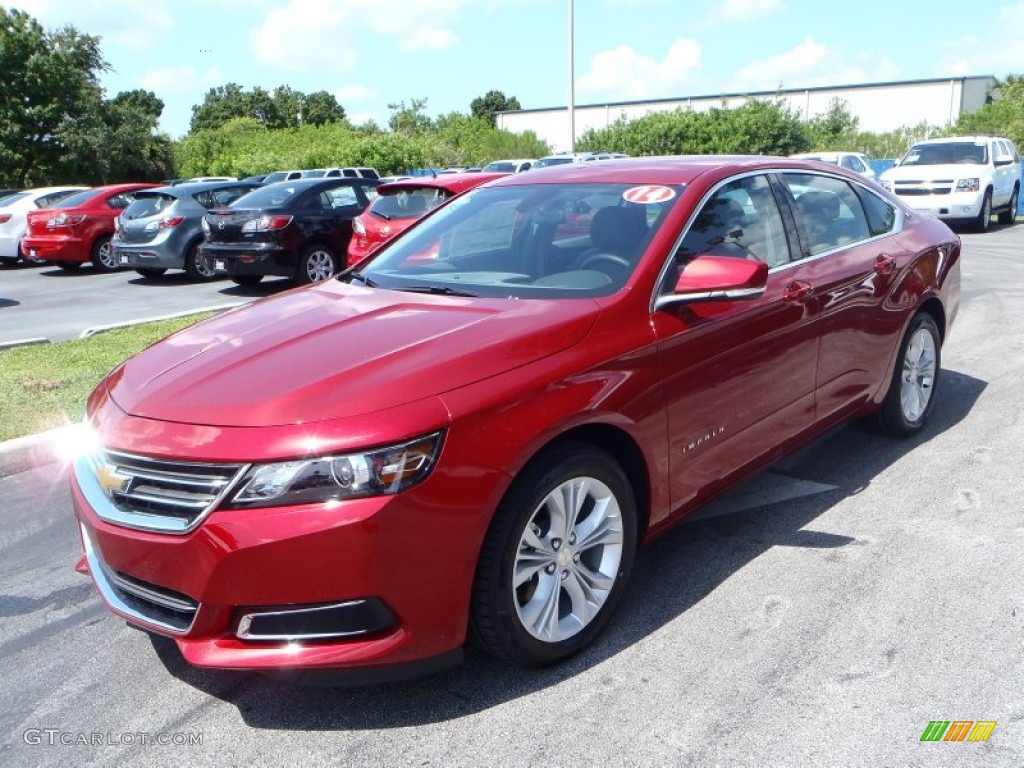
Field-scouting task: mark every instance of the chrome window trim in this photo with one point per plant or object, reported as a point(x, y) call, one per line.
point(897, 226)
point(83, 469)
point(243, 633)
point(102, 579)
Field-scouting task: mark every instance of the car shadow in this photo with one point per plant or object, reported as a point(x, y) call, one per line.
point(263, 288)
point(8, 303)
point(671, 575)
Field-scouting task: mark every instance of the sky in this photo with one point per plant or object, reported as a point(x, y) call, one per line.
point(372, 53)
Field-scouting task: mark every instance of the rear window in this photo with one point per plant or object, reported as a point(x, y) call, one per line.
point(409, 204)
point(11, 199)
point(273, 196)
point(79, 198)
point(148, 205)
point(500, 167)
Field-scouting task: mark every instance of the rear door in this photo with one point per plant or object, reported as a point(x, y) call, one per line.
point(338, 206)
point(850, 256)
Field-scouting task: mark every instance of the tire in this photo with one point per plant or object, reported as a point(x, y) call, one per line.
point(559, 563)
point(69, 266)
point(197, 268)
point(1009, 216)
point(246, 279)
point(316, 264)
point(103, 255)
point(151, 272)
point(915, 379)
point(981, 223)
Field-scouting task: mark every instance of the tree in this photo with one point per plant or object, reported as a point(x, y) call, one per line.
point(835, 129)
point(1003, 115)
point(49, 78)
point(219, 105)
point(488, 106)
point(321, 108)
point(409, 120)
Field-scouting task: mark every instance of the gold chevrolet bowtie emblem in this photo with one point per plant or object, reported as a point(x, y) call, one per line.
point(110, 479)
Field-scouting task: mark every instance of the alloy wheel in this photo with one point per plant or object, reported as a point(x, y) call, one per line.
point(918, 378)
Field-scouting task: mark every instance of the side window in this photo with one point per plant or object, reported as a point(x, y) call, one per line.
point(828, 212)
point(850, 162)
point(740, 219)
point(881, 215)
point(350, 173)
point(339, 197)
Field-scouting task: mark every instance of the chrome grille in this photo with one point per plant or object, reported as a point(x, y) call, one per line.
point(154, 494)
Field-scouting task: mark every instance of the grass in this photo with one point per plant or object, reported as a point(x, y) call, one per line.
point(47, 385)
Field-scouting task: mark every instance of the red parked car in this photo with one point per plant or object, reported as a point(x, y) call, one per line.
point(403, 202)
point(364, 473)
point(78, 228)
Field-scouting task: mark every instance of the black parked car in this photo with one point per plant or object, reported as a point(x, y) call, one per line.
point(298, 229)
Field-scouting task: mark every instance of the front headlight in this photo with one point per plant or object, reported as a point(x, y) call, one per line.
point(968, 185)
point(379, 472)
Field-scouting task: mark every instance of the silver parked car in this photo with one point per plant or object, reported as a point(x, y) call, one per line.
point(162, 228)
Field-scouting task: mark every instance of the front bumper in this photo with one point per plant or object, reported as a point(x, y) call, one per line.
point(956, 205)
point(401, 561)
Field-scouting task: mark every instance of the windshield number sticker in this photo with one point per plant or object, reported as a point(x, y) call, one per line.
point(649, 194)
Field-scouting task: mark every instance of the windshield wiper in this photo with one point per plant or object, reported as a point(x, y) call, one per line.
point(441, 290)
point(381, 215)
point(353, 275)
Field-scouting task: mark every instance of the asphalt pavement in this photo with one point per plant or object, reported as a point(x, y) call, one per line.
point(822, 614)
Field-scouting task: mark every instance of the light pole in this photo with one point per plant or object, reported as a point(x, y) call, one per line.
point(572, 88)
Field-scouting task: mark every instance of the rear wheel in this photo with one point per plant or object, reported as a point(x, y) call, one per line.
point(151, 273)
point(911, 394)
point(103, 255)
point(316, 264)
point(246, 279)
point(557, 557)
point(985, 215)
point(198, 268)
point(1009, 216)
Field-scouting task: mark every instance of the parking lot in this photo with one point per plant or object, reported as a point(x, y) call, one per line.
point(822, 614)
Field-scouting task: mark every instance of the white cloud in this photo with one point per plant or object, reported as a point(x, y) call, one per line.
point(736, 11)
point(998, 52)
point(811, 63)
point(354, 92)
point(621, 73)
point(133, 25)
point(183, 79)
point(307, 35)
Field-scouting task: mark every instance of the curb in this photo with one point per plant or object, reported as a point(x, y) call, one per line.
point(185, 313)
point(24, 453)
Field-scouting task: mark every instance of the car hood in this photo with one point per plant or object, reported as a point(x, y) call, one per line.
point(934, 172)
point(334, 350)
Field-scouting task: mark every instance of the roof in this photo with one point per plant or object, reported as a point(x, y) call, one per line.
point(453, 182)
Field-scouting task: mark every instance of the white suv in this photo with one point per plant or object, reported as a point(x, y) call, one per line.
point(962, 178)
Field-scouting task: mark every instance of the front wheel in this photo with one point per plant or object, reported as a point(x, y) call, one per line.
point(103, 255)
point(985, 215)
point(557, 557)
point(198, 268)
point(316, 264)
point(911, 394)
point(1009, 216)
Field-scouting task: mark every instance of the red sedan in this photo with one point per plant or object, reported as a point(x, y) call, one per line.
point(78, 229)
point(403, 202)
point(356, 474)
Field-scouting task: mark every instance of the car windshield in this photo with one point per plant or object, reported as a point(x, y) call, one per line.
point(500, 167)
point(77, 199)
point(317, 174)
point(148, 204)
point(408, 204)
point(953, 152)
point(549, 161)
point(269, 197)
point(270, 178)
point(525, 241)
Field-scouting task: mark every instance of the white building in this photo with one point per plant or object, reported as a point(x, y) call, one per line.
point(880, 107)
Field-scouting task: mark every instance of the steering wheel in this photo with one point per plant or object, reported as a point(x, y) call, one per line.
point(604, 257)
